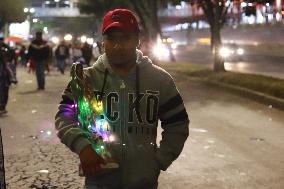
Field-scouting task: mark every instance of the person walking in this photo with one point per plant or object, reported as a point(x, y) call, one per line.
point(135, 94)
point(61, 54)
point(77, 54)
point(6, 76)
point(23, 55)
point(87, 53)
point(38, 55)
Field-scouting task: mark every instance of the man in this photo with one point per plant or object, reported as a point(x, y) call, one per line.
point(61, 54)
point(38, 54)
point(6, 75)
point(87, 53)
point(135, 95)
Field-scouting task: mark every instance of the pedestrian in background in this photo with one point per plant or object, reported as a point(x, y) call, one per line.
point(6, 75)
point(77, 54)
point(23, 55)
point(38, 55)
point(135, 94)
point(61, 54)
point(87, 53)
point(12, 61)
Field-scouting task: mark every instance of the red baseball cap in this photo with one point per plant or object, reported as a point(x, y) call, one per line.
point(120, 18)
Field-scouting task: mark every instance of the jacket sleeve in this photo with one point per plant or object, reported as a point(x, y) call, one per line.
point(174, 122)
point(66, 123)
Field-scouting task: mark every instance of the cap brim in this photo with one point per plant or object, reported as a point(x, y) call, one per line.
point(113, 25)
point(121, 26)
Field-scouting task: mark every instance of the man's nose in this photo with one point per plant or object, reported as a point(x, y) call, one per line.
point(117, 45)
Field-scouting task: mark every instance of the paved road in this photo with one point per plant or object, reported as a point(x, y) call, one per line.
point(233, 143)
point(251, 63)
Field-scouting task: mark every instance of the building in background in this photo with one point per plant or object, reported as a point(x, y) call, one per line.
point(183, 16)
point(54, 18)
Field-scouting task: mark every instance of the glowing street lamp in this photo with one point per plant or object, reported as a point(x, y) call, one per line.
point(55, 40)
point(68, 37)
point(32, 10)
point(29, 12)
point(83, 38)
point(90, 41)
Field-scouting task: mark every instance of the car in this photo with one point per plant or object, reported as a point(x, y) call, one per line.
point(231, 52)
point(163, 50)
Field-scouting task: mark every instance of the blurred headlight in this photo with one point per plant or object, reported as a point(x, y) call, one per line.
point(224, 52)
point(161, 51)
point(240, 51)
point(174, 45)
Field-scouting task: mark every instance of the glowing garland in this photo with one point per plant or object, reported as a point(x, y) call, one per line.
point(90, 113)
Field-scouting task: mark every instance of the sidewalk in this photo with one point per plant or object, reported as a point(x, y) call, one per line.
point(34, 157)
point(231, 144)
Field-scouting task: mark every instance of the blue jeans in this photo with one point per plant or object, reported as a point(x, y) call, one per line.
point(109, 180)
point(110, 183)
point(61, 64)
point(39, 68)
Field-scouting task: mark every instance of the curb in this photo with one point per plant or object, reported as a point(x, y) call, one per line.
point(262, 98)
point(251, 94)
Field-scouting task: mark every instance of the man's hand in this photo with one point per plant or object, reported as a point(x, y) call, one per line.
point(90, 161)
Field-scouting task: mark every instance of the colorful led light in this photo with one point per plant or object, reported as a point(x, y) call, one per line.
point(90, 113)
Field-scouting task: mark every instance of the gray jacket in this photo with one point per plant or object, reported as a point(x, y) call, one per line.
point(133, 122)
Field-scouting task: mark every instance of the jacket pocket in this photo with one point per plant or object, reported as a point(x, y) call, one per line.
point(142, 167)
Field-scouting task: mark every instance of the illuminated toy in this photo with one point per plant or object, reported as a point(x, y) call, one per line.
point(91, 116)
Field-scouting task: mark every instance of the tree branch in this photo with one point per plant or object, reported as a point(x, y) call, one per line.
point(139, 12)
point(224, 16)
point(207, 8)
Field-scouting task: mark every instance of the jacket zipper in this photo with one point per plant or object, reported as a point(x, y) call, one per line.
point(122, 127)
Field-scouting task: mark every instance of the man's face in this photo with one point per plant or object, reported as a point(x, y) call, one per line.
point(120, 47)
point(38, 36)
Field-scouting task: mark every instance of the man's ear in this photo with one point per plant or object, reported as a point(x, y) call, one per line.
point(138, 46)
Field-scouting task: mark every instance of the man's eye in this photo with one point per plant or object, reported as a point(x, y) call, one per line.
point(122, 38)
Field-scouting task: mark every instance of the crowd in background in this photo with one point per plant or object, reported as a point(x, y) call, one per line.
point(40, 57)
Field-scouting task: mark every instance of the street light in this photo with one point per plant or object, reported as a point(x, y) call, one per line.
point(83, 39)
point(90, 41)
point(45, 29)
point(55, 40)
point(68, 37)
point(29, 12)
point(32, 10)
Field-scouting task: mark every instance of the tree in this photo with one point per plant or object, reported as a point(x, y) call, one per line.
point(146, 10)
point(11, 11)
point(215, 12)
